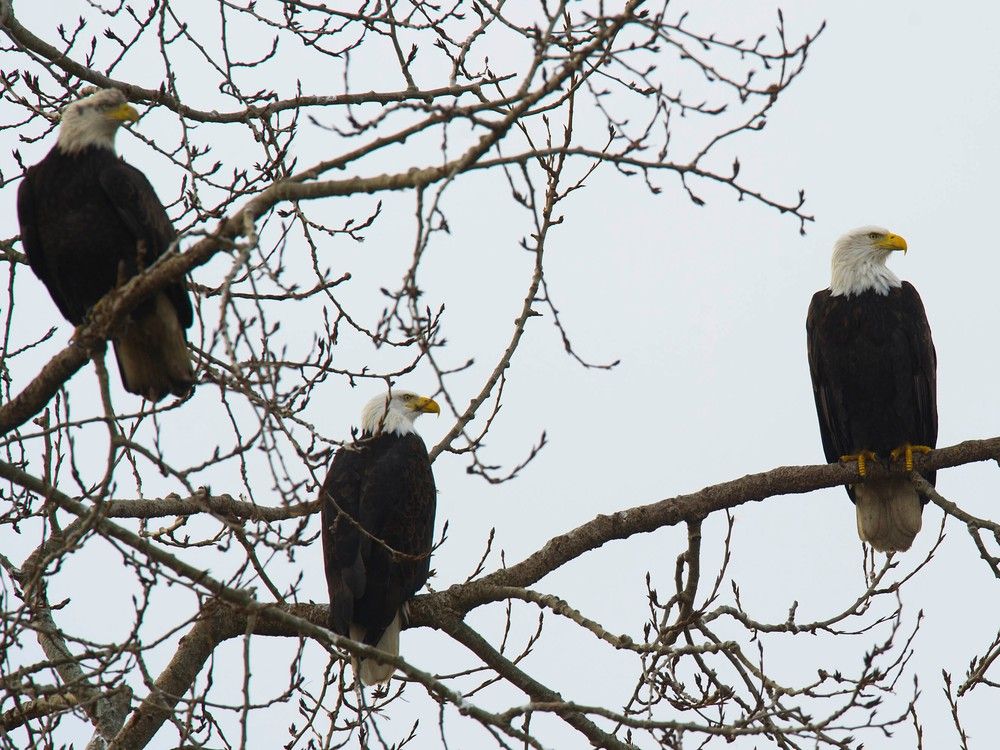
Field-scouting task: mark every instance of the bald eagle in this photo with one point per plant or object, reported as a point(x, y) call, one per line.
point(89, 222)
point(378, 504)
point(874, 379)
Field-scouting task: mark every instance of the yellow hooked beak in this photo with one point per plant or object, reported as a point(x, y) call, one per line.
point(123, 113)
point(425, 405)
point(892, 242)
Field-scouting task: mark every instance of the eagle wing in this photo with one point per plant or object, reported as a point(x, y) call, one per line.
point(834, 422)
point(398, 506)
point(136, 204)
point(923, 368)
point(32, 241)
point(339, 501)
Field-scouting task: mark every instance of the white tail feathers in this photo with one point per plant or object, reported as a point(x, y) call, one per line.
point(370, 671)
point(152, 353)
point(888, 513)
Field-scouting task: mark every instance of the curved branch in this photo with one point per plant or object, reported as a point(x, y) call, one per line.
point(25, 39)
point(218, 623)
point(225, 506)
point(535, 690)
point(643, 519)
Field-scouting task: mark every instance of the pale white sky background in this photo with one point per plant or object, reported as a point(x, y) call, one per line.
point(893, 123)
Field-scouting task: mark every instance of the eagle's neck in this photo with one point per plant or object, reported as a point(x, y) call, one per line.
point(376, 419)
point(76, 135)
point(855, 273)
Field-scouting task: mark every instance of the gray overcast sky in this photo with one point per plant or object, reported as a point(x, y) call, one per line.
point(893, 123)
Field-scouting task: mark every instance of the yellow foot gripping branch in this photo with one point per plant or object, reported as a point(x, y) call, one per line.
point(862, 457)
point(906, 450)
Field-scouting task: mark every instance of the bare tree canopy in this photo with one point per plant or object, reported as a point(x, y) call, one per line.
point(336, 178)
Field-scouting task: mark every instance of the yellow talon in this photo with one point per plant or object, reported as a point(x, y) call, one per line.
point(906, 451)
point(862, 457)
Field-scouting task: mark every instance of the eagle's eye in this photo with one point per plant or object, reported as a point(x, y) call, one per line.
point(873, 235)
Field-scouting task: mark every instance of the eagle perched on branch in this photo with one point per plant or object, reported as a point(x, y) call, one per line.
point(90, 222)
point(378, 504)
point(874, 375)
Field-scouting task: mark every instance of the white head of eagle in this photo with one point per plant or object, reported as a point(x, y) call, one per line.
point(395, 412)
point(859, 262)
point(94, 120)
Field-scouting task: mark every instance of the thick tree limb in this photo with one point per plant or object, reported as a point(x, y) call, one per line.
point(215, 625)
point(42, 388)
point(224, 506)
point(642, 519)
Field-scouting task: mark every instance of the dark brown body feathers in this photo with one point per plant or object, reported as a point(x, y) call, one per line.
point(874, 371)
point(89, 222)
point(873, 368)
point(378, 505)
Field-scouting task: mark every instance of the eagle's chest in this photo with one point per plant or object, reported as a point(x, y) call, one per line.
point(81, 233)
point(865, 323)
